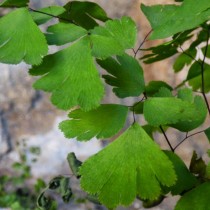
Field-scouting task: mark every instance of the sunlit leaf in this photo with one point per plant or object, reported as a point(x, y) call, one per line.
point(71, 76)
point(167, 20)
point(114, 38)
point(183, 113)
point(103, 122)
point(120, 171)
point(21, 39)
point(126, 75)
point(196, 199)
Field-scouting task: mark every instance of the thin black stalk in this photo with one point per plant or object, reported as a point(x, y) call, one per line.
point(51, 15)
point(202, 72)
point(141, 44)
point(169, 144)
point(186, 137)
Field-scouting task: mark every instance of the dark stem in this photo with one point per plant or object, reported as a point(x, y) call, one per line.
point(187, 54)
point(51, 15)
point(141, 44)
point(186, 137)
point(169, 144)
point(202, 72)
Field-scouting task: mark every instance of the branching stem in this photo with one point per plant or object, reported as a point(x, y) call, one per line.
point(186, 137)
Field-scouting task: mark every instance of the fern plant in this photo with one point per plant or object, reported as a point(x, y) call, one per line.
point(133, 165)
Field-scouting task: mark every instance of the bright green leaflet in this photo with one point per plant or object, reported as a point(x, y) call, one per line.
point(120, 171)
point(196, 199)
point(63, 33)
point(126, 75)
point(115, 37)
point(103, 122)
point(14, 3)
point(71, 76)
point(155, 110)
point(185, 180)
point(21, 39)
point(40, 18)
point(88, 12)
point(167, 20)
point(184, 113)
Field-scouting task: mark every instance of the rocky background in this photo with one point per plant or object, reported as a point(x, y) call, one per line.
point(26, 114)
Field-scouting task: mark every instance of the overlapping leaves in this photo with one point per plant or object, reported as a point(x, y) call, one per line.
point(126, 75)
point(127, 164)
point(47, 13)
point(103, 122)
point(89, 14)
point(22, 40)
point(183, 113)
point(167, 20)
point(71, 76)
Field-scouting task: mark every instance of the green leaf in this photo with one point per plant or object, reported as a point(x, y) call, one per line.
point(63, 33)
point(186, 95)
point(196, 199)
point(167, 20)
point(155, 110)
point(154, 86)
point(182, 114)
point(163, 92)
point(39, 17)
point(185, 180)
point(115, 37)
point(71, 76)
point(14, 3)
point(103, 122)
point(88, 12)
point(184, 59)
point(120, 171)
point(207, 132)
point(126, 75)
point(21, 39)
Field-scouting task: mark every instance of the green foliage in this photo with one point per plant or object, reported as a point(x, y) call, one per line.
point(133, 166)
point(89, 13)
point(128, 161)
point(14, 3)
point(126, 75)
point(103, 122)
point(167, 20)
point(178, 110)
point(15, 43)
point(40, 17)
point(195, 199)
point(66, 78)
